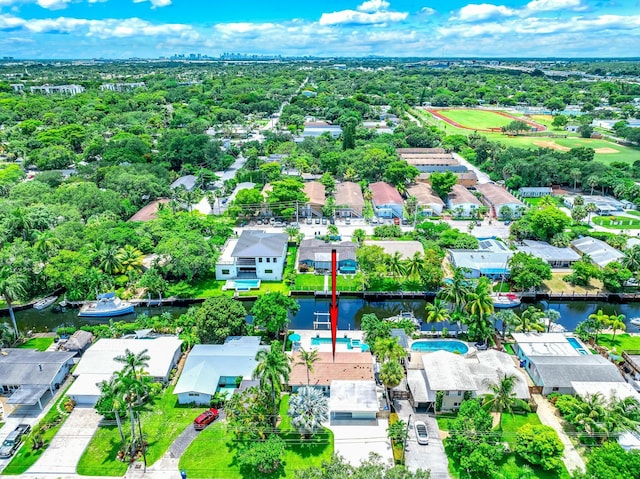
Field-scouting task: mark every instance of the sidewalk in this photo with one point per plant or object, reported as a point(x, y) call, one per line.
point(547, 414)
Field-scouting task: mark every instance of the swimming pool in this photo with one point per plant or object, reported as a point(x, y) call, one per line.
point(355, 343)
point(242, 284)
point(451, 345)
point(578, 346)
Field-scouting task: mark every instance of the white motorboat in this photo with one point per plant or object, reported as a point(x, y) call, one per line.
point(106, 305)
point(44, 303)
point(505, 300)
point(635, 321)
point(406, 316)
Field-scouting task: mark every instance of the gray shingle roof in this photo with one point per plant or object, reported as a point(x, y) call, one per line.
point(189, 182)
point(255, 244)
point(29, 367)
point(560, 371)
point(310, 247)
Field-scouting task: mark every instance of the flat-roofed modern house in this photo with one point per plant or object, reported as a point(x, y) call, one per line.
point(606, 205)
point(387, 202)
point(213, 367)
point(353, 401)
point(428, 202)
point(600, 252)
point(555, 256)
point(98, 363)
point(349, 200)
point(461, 201)
point(348, 366)
point(455, 374)
point(497, 197)
point(27, 375)
point(535, 191)
point(316, 254)
point(315, 191)
point(490, 260)
point(254, 255)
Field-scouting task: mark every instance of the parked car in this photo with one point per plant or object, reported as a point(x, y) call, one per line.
point(422, 433)
point(309, 221)
point(317, 221)
point(507, 222)
point(405, 221)
point(347, 221)
point(324, 221)
point(13, 440)
point(396, 221)
point(259, 222)
point(374, 221)
point(481, 346)
point(204, 419)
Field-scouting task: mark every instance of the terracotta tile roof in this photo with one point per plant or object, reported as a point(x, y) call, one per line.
point(315, 191)
point(349, 193)
point(149, 212)
point(385, 194)
point(459, 195)
point(348, 366)
point(424, 194)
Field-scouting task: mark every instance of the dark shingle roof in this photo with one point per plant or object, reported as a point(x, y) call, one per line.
point(253, 243)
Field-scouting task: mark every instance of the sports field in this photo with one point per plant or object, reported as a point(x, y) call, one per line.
point(479, 119)
point(606, 151)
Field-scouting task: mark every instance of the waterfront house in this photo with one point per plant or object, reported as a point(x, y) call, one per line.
point(348, 366)
point(491, 259)
point(349, 200)
point(213, 367)
point(555, 256)
point(316, 254)
point(600, 252)
point(461, 201)
point(254, 255)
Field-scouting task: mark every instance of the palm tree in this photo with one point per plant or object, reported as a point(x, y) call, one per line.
point(480, 328)
point(7, 335)
point(109, 389)
point(272, 370)
point(46, 243)
point(479, 301)
point(590, 209)
point(552, 316)
point(395, 265)
point(455, 292)
point(591, 415)
point(134, 363)
point(19, 222)
point(509, 320)
point(530, 320)
point(109, 260)
point(130, 391)
point(600, 321)
point(616, 322)
point(502, 396)
point(13, 286)
point(437, 312)
point(391, 374)
point(415, 266)
point(631, 259)
point(307, 359)
point(308, 409)
point(130, 258)
point(388, 349)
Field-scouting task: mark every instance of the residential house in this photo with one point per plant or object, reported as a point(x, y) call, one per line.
point(535, 191)
point(316, 254)
point(255, 254)
point(490, 260)
point(456, 375)
point(348, 366)
point(428, 202)
point(349, 200)
point(600, 252)
point(214, 367)
point(187, 182)
point(605, 205)
point(497, 197)
point(99, 363)
point(150, 211)
point(58, 89)
point(462, 202)
point(315, 191)
point(555, 256)
point(354, 402)
point(27, 375)
point(387, 202)
point(406, 248)
point(317, 128)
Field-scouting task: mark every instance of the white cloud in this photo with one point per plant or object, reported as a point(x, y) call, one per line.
point(428, 11)
point(243, 28)
point(346, 17)
point(371, 6)
point(53, 4)
point(155, 3)
point(483, 11)
point(553, 5)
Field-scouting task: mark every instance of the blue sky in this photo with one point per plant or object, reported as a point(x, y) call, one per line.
point(152, 28)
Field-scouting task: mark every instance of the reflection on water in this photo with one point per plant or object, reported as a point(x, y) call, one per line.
point(350, 313)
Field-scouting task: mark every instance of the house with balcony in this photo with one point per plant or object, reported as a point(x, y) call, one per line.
point(349, 200)
point(316, 254)
point(497, 197)
point(428, 202)
point(254, 255)
point(316, 193)
point(387, 202)
point(462, 202)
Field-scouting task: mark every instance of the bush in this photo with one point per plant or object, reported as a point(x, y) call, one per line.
point(264, 456)
point(540, 445)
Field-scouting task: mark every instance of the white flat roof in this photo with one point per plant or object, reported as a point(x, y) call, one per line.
point(87, 385)
point(620, 390)
point(544, 344)
point(447, 372)
point(353, 396)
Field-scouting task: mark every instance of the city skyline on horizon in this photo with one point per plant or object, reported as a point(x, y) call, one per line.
point(121, 29)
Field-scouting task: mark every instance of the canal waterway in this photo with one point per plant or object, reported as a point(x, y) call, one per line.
point(350, 313)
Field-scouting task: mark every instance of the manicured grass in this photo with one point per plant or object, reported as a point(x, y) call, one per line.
point(41, 344)
point(26, 456)
point(315, 282)
point(476, 119)
point(622, 342)
point(536, 201)
point(444, 420)
point(208, 288)
point(617, 222)
point(212, 453)
point(267, 287)
point(509, 348)
point(510, 425)
point(633, 212)
point(162, 421)
point(557, 285)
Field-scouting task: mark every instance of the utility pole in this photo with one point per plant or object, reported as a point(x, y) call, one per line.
point(297, 219)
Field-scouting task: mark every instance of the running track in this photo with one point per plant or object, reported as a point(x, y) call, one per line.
point(439, 115)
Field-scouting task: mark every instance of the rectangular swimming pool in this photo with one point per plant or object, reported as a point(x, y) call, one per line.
point(242, 284)
point(356, 343)
point(577, 345)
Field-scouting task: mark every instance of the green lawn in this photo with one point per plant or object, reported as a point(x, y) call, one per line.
point(315, 282)
point(617, 222)
point(476, 119)
point(267, 287)
point(199, 461)
point(41, 344)
point(633, 212)
point(536, 201)
point(208, 288)
point(622, 342)
point(26, 456)
point(510, 425)
point(162, 421)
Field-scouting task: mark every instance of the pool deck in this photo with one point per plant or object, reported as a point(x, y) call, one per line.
point(307, 334)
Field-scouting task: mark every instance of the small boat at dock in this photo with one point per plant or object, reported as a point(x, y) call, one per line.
point(44, 303)
point(405, 316)
point(106, 305)
point(635, 321)
point(505, 300)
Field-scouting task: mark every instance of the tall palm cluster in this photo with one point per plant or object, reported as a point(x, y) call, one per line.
point(127, 389)
point(272, 371)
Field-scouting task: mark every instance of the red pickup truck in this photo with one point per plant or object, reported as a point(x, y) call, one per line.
point(206, 418)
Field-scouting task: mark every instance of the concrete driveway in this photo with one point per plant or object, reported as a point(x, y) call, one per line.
point(417, 456)
point(63, 454)
point(355, 442)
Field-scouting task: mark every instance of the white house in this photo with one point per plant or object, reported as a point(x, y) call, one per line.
point(496, 197)
point(428, 202)
point(600, 252)
point(210, 367)
point(462, 200)
point(353, 401)
point(255, 255)
point(98, 363)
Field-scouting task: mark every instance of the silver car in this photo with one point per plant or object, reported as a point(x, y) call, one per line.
point(422, 433)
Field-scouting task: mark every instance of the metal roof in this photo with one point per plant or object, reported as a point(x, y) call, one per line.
point(547, 252)
point(188, 181)
point(27, 395)
point(255, 243)
point(600, 252)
